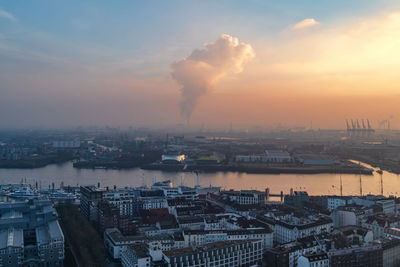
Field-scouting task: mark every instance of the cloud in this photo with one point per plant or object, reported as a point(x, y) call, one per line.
point(204, 67)
point(306, 23)
point(6, 15)
point(354, 57)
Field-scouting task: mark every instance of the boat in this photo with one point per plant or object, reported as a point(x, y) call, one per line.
point(23, 193)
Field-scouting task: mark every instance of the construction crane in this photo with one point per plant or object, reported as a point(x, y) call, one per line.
point(347, 124)
point(353, 125)
point(359, 126)
point(369, 125)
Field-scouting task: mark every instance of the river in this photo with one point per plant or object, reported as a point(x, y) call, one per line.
point(314, 184)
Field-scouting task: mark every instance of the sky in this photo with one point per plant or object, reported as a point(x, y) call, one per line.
point(72, 63)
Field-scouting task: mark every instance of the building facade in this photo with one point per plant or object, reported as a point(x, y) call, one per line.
point(224, 253)
point(30, 234)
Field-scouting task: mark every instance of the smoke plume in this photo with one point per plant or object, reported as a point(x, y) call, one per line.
point(204, 67)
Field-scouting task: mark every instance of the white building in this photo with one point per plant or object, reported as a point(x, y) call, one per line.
point(115, 241)
point(276, 156)
point(266, 236)
point(147, 203)
point(287, 231)
point(388, 205)
point(344, 217)
point(223, 253)
point(201, 237)
point(337, 201)
point(245, 197)
point(313, 260)
point(303, 246)
point(124, 199)
point(378, 223)
point(135, 256)
point(392, 233)
point(173, 158)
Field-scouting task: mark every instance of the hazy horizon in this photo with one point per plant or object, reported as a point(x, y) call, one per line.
point(159, 64)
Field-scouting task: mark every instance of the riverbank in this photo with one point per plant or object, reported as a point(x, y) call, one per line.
point(315, 184)
point(31, 163)
point(260, 169)
point(105, 164)
point(390, 166)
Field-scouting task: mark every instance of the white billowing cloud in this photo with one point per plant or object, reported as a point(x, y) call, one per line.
point(6, 15)
point(306, 23)
point(198, 72)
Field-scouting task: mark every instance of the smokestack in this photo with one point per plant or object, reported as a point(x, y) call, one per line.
point(204, 67)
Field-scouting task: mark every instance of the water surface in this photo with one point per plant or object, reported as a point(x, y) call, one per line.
point(315, 184)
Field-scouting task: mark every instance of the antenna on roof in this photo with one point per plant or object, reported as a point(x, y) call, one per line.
point(381, 184)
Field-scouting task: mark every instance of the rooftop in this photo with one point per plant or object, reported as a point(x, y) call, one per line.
point(117, 237)
point(140, 250)
point(12, 237)
point(205, 247)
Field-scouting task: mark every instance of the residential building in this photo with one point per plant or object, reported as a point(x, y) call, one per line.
point(201, 237)
point(378, 223)
point(314, 260)
point(296, 199)
point(147, 203)
point(90, 197)
point(338, 201)
point(369, 255)
point(135, 256)
point(276, 257)
point(293, 228)
point(124, 199)
point(314, 244)
point(245, 197)
point(223, 253)
point(349, 215)
point(390, 252)
point(115, 241)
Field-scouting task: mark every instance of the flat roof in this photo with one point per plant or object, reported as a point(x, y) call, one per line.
point(206, 247)
point(11, 215)
point(46, 234)
point(11, 237)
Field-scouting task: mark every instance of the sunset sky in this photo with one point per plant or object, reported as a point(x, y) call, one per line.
point(70, 63)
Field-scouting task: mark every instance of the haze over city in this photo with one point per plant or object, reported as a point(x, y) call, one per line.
point(65, 64)
point(200, 133)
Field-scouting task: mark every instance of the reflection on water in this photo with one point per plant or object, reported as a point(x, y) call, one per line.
point(313, 183)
